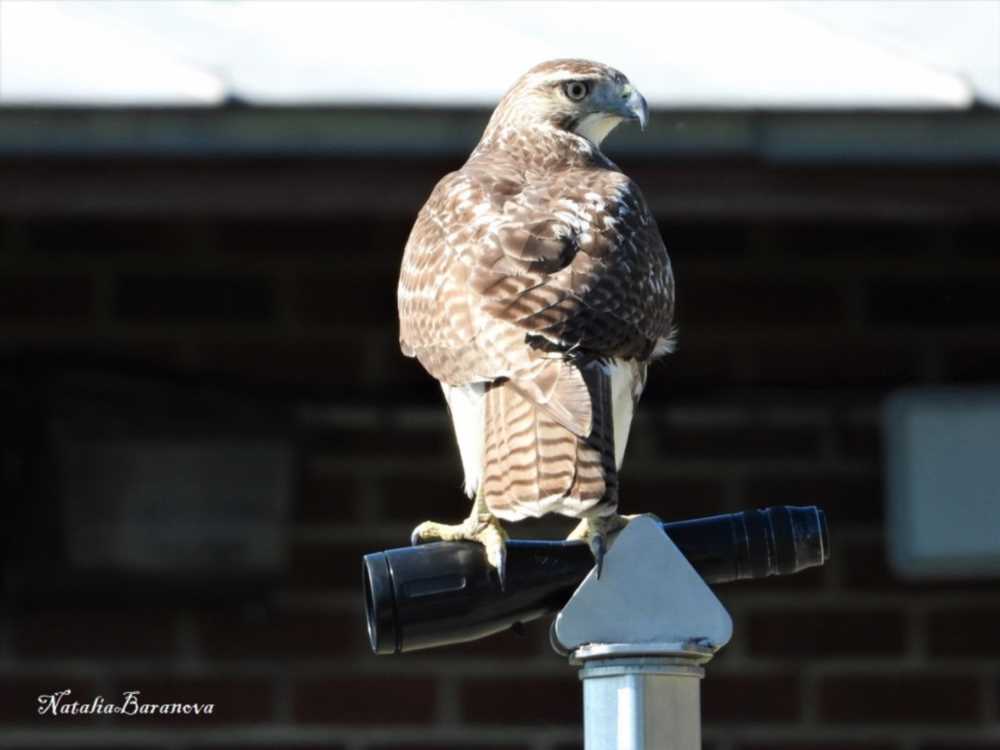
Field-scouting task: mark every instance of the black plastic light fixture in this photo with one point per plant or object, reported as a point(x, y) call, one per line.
point(445, 592)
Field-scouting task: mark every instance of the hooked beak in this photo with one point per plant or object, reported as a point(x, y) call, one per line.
point(634, 105)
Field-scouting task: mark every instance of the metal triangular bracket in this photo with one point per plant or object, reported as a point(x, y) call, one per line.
point(648, 593)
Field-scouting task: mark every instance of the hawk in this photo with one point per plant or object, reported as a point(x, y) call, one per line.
point(536, 288)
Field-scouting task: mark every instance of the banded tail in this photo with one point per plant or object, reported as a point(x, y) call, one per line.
point(533, 465)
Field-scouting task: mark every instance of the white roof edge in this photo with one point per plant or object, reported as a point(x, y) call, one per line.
point(194, 52)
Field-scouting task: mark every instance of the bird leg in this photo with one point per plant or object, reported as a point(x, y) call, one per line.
point(594, 530)
point(481, 526)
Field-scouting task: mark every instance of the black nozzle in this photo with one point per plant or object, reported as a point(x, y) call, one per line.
point(753, 543)
point(445, 592)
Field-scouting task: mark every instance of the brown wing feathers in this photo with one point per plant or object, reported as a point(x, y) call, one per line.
point(528, 281)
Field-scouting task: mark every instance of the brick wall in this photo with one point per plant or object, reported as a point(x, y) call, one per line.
point(792, 332)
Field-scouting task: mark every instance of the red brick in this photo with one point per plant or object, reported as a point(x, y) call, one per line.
point(690, 366)
point(831, 361)
point(715, 304)
point(19, 700)
point(185, 297)
point(845, 499)
point(39, 297)
point(977, 240)
point(323, 496)
point(365, 700)
point(855, 239)
point(964, 632)
point(973, 364)
point(866, 567)
point(523, 700)
point(229, 634)
point(750, 698)
point(83, 634)
point(824, 634)
point(737, 443)
point(403, 372)
point(83, 236)
point(383, 442)
point(689, 241)
point(322, 567)
point(672, 498)
point(242, 700)
point(859, 441)
point(809, 580)
point(362, 298)
point(64, 351)
point(417, 498)
point(905, 698)
point(348, 236)
point(300, 362)
point(935, 302)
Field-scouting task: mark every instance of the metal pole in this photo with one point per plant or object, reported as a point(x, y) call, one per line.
point(640, 634)
point(637, 699)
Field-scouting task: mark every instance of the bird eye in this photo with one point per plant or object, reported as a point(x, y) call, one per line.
point(576, 90)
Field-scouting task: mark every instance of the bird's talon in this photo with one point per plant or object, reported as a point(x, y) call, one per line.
point(481, 528)
point(598, 548)
point(597, 532)
point(495, 541)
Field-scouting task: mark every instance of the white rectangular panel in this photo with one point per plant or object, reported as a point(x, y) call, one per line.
point(943, 482)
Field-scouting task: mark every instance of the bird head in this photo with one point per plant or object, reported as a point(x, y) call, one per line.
point(584, 97)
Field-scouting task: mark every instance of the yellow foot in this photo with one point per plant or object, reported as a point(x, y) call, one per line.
point(484, 529)
point(594, 530)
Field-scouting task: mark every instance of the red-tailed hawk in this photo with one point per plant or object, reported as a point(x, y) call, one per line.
point(536, 287)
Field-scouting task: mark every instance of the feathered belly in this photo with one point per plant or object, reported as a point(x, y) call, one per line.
point(628, 378)
point(467, 406)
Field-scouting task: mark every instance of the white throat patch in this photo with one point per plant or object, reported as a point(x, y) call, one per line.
point(596, 126)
